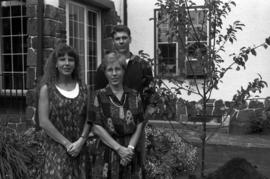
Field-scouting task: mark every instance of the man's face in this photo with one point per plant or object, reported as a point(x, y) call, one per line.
point(121, 41)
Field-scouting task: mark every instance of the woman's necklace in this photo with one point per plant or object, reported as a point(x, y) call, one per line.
point(121, 107)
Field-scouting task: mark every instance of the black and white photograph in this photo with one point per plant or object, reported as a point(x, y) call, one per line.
point(134, 89)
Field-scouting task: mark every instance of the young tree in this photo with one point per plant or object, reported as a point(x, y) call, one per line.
point(204, 42)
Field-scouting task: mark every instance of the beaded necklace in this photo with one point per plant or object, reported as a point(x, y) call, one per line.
point(121, 107)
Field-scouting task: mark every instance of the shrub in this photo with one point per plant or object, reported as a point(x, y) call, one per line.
point(34, 141)
point(167, 156)
point(20, 156)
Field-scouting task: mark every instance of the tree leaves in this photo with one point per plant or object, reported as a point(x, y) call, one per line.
point(244, 93)
point(267, 41)
point(253, 52)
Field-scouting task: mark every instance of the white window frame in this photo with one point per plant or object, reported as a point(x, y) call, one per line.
point(12, 91)
point(197, 25)
point(172, 42)
point(99, 50)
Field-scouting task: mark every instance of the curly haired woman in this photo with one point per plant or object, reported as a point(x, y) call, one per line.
point(62, 114)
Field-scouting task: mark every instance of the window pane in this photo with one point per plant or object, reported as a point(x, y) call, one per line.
point(81, 16)
point(92, 48)
point(71, 29)
point(16, 10)
point(202, 17)
point(7, 63)
point(92, 33)
point(91, 77)
point(25, 43)
point(92, 18)
point(75, 14)
point(81, 30)
point(6, 27)
point(17, 44)
point(6, 44)
point(18, 80)
point(7, 80)
point(81, 47)
point(24, 25)
point(75, 29)
point(5, 11)
point(23, 10)
point(16, 26)
point(92, 64)
point(17, 63)
point(167, 58)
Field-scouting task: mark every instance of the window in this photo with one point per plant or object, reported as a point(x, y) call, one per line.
point(196, 42)
point(13, 36)
point(180, 54)
point(167, 52)
point(83, 24)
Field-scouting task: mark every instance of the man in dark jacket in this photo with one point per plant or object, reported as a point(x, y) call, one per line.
point(138, 74)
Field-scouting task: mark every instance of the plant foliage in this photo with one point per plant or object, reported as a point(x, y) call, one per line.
point(20, 156)
point(167, 156)
point(211, 57)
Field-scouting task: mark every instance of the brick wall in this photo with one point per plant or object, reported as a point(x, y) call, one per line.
point(110, 18)
point(54, 31)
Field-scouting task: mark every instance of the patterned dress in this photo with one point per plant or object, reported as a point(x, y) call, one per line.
point(120, 120)
point(68, 115)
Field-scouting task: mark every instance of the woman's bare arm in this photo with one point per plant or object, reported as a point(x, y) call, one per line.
point(45, 123)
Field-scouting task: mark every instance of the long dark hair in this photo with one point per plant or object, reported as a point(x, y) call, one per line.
point(50, 75)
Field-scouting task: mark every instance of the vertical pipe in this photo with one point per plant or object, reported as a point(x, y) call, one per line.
point(39, 71)
point(155, 42)
point(1, 46)
point(40, 11)
point(125, 16)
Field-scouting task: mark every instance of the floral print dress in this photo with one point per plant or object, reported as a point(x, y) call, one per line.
point(120, 119)
point(68, 115)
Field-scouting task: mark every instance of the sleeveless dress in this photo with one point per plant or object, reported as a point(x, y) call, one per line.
point(120, 120)
point(68, 115)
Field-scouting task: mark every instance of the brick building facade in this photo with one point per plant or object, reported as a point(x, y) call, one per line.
point(84, 24)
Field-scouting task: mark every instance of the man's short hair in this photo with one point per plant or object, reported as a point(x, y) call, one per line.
point(120, 28)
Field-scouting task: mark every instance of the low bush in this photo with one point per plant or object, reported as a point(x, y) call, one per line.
point(167, 155)
point(21, 156)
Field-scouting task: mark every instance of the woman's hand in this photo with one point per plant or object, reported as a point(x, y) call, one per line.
point(125, 153)
point(74, 148)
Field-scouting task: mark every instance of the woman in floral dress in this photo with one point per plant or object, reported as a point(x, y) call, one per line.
point(62, 115)
point(118, 122)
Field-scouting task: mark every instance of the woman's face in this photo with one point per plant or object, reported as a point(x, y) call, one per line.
point(114, 73)
point(65, 65)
